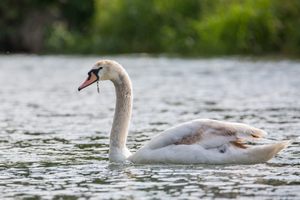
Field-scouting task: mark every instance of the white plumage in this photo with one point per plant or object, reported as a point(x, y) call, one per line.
point(198, 141)
point(207, 141)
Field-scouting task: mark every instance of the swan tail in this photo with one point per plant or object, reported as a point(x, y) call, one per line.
point(263, 153)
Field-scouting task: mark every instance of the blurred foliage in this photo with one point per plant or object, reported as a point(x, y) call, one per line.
point(26, 24)
point(193, 27)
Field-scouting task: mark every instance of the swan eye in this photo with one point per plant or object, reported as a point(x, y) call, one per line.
point(94, 71)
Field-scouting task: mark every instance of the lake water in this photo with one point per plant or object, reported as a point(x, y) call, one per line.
point(54, 140)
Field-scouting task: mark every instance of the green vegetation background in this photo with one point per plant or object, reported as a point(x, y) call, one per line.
point(181, 27)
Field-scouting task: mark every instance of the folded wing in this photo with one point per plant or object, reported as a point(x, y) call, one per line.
point(207, 141)
point(207, 133)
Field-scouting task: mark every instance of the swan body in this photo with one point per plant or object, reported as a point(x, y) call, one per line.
point(202, 141)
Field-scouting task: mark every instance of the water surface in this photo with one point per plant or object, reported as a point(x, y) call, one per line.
point(54, 140)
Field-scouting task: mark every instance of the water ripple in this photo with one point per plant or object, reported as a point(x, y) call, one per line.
point(54, 141)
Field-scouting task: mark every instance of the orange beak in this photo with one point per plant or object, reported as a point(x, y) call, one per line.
point(90, 80)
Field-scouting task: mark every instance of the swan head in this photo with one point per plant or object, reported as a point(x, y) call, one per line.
point(101, 71)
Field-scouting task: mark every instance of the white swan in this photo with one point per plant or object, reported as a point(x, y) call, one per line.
point(199, 141)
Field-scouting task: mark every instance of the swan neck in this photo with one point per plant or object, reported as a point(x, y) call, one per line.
point(118, 151)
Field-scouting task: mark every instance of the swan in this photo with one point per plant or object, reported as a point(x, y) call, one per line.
point(201, 141)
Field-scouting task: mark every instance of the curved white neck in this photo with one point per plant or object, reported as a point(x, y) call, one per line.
point(118, 151)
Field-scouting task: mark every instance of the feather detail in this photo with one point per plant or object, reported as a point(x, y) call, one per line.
point(239, 144)
point(191, 139)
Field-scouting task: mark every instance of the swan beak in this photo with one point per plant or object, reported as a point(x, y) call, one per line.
point(90, 80)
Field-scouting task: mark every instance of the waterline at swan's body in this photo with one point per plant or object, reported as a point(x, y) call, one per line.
point(198, 141)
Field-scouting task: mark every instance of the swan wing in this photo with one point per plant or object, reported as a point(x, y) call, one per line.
point(207, 133)
point(207, 141)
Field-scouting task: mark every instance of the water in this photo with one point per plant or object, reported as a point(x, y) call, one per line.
point(54, 140)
